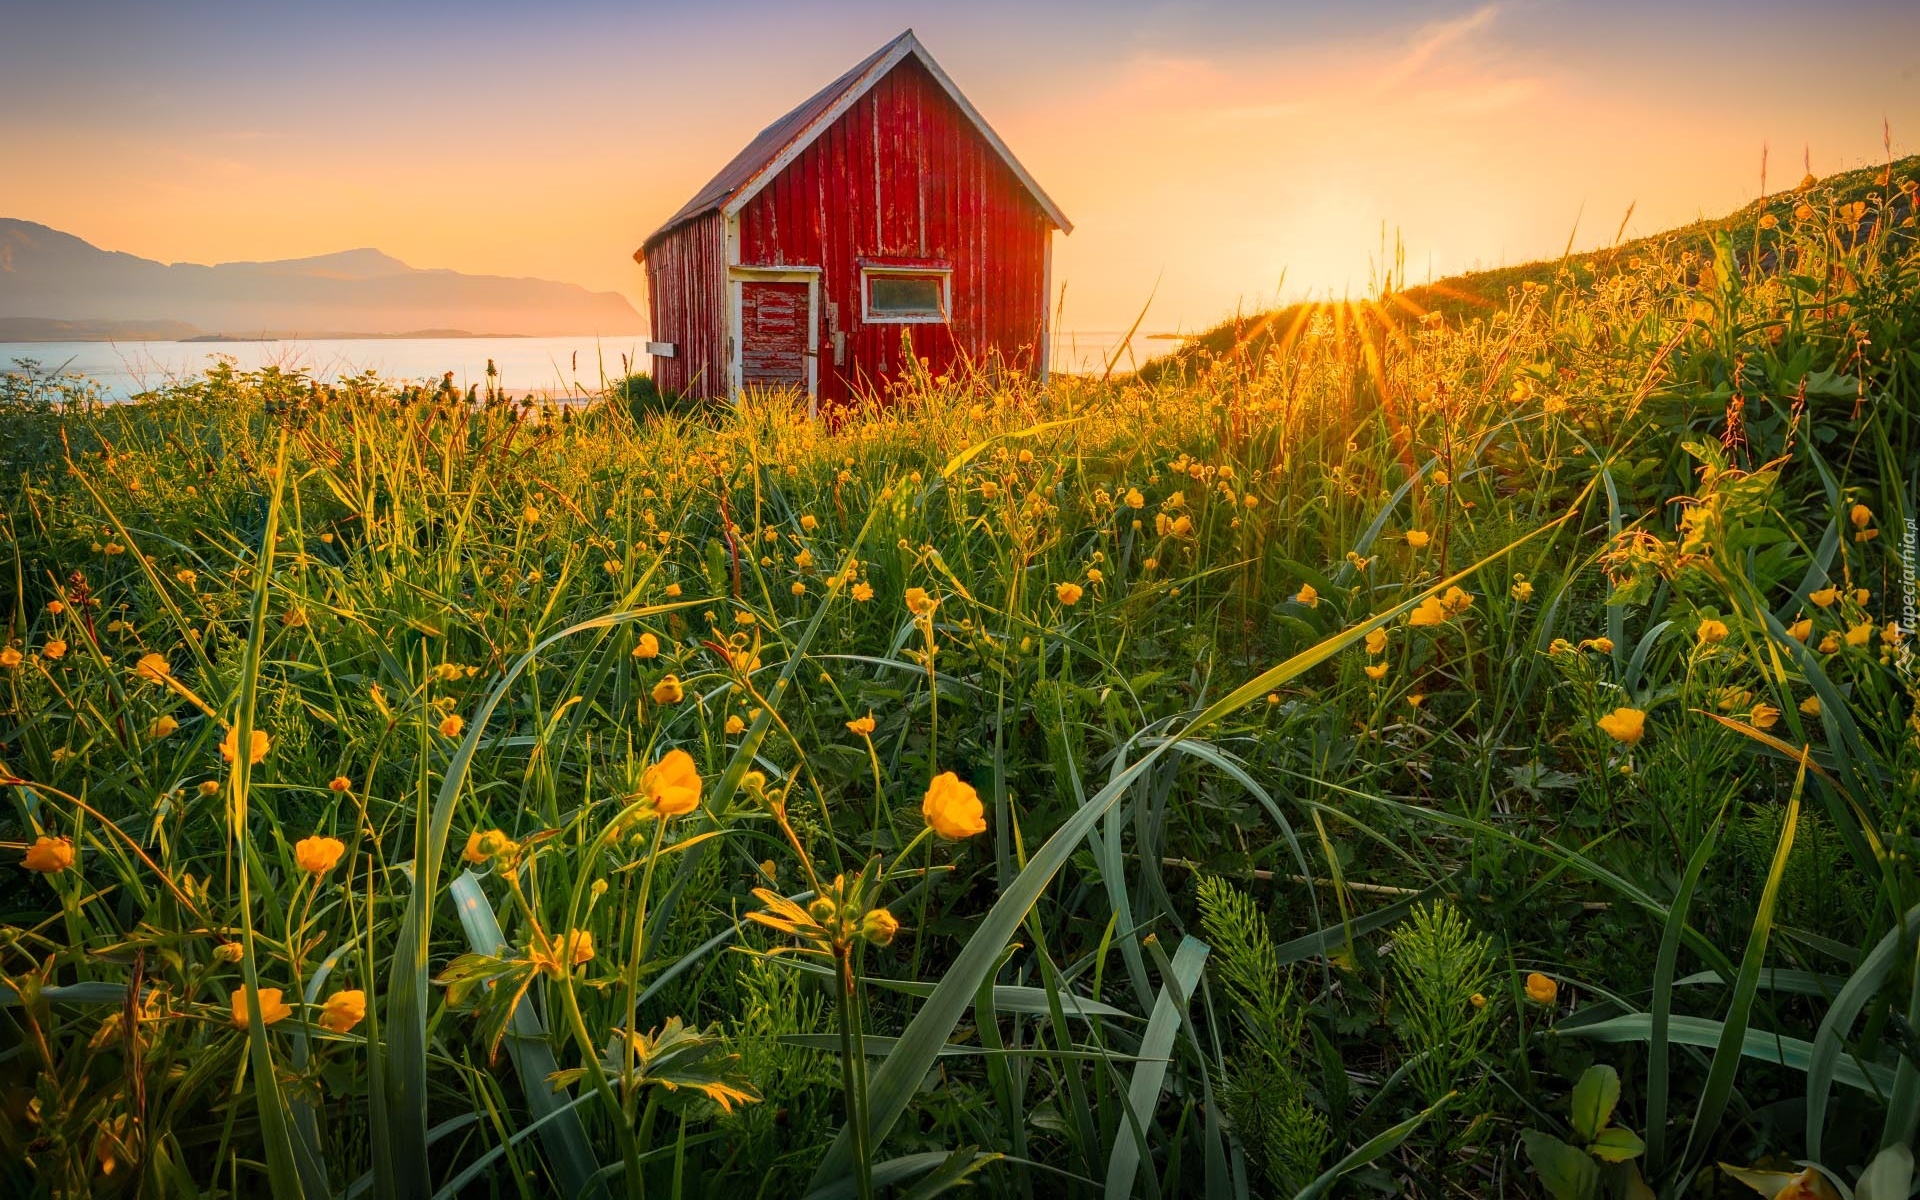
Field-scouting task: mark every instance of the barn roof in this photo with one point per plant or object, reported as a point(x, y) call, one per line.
point(781, 142)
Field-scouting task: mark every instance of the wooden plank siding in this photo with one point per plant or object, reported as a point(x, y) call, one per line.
point(889, 167)
point(687, 305)
point(903, 174)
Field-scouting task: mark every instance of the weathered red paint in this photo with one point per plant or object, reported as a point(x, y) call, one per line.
point(901, 175)
point(773, 335)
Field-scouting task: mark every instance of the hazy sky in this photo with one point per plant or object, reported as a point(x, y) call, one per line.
point(1211, 146)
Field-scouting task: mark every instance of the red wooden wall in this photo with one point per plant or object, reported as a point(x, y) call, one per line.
point(686, 305)
point(901, 175)
point(904, 174)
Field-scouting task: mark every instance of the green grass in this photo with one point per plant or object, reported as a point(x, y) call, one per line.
point(1308, 864)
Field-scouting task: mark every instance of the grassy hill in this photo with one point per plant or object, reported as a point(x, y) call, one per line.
point(1459, 298)
point(1476, 763)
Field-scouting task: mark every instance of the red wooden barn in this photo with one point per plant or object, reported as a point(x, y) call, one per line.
point(884, 205)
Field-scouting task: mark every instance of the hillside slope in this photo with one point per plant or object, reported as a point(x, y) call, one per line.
point(1480, 293)
point(64, 287)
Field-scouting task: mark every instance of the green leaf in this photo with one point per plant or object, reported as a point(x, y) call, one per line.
point(1593, 1099)
point(1614, 1144)
point(1156, 1046)
point(1888, 1177)
point(557, 1115)
point(1759, 1045)
point(1379, 1144)
point(898, 1080)
point(1825, 1066)
point(1733, 1036)
point(1567, 1173)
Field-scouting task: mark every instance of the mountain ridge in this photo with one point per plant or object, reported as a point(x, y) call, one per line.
point(56, 286)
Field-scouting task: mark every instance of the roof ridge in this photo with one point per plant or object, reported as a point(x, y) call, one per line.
point(775, 146)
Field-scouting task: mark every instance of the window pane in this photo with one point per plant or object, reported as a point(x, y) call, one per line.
point(904, 295)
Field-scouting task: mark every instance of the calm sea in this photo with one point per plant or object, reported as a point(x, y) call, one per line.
point(555, 366)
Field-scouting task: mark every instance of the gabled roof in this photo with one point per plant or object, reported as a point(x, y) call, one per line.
point(781, 142)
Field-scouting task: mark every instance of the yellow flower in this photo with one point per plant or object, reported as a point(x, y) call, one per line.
point(477, 845)
point(1477, 1000)
point(647, 647)
point(49, 855)
point(1135, 499)
point(669, 691)
point(1764, 716)
point(209, 788)
point(1095, 575)
point(1376, 641)
point(879, 926)
point(1418, 538)
point(55, 648)
point(343, 1010)
point(1624, 724)
point(1440, 478)
point(1861, 516)
point(317, 855)
point(1712, 631)
point(919, 603)
point(1861, 596)
point(673, 589)
point(1457, 601)
point(1308, 596)
point(55, 608)
point(1601, 645)
point(1825, 596)
point(1811, 706)
point(9, 658)
point(557, 956)
point(1415, 699)
point(1149, 564)
point(451, 725)
point(735, 725)
point(1068, 593)
point(1428, 612)
point(862, 726)
point(1542, 990)
point(530, 515)
point(1521, 591)
point(799, 588)
point(340, 783)
point(257, 745)
point(271, 1009)
point(1800, 630)
point(673, 784)
point(1376, 671)
point(809, 522)
point(163, 726)
point(1182, 526)
point(1860, 634)
point(1829, 644)
point(863, 591)
point(953, 809)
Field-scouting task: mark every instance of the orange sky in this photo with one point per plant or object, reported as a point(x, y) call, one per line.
point(1211, 147)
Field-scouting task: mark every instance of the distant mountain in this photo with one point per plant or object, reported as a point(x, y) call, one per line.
point(56, 287)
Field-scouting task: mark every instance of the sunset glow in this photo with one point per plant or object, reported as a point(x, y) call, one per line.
point(1216, 149)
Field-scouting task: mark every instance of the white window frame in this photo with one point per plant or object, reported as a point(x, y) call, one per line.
point(869, 317)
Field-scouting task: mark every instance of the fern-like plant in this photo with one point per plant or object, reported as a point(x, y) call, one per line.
point(1272, 1109)
point(1443, 971)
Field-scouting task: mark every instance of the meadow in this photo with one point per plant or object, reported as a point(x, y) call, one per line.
point(1388, 751)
